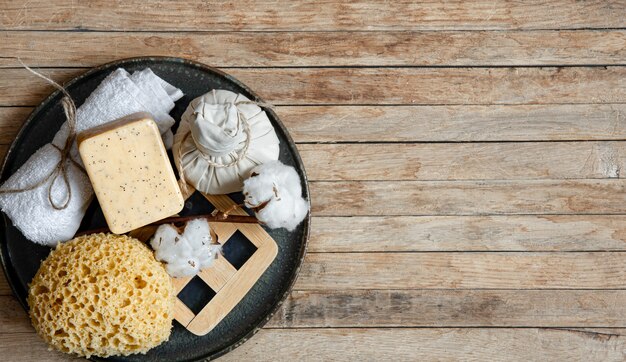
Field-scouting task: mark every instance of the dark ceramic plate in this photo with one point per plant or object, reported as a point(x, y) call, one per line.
point(21, 258)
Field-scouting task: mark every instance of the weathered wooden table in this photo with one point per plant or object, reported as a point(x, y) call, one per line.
point(466, 161)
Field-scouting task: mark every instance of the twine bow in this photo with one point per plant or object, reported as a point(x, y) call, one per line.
point(239, 155)
point(61, 168)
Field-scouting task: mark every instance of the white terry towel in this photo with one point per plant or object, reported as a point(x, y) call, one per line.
point(119, 95)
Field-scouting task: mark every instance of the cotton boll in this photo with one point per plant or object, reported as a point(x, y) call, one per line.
point(198, 230)
point(273, 191)
point(162, 242)
point(183, 267)
point(187, 253)
point(286, 213)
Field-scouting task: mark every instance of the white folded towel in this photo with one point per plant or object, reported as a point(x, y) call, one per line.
point(119, 95)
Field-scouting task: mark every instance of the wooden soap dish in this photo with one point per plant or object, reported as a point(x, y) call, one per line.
point(229, 284)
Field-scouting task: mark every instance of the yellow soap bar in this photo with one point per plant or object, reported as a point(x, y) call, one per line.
point(130, 172)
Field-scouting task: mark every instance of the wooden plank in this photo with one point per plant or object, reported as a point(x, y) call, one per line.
point(577, 270)
point(218, 274)
point(306, 15)
point(510, 344)
point(463, 161)
point(454, 198)
point(182, 313)
point(437, 85)
point(422, 308)
point(11, 119)
point(180, 283)
point(444, 233)
point(519, 233)
point(457, 270)
point(369, 198)
point(12, 93)
point(468, 233)
point(253, 49)
point(13, 318)
point(429, 344)
point(551, 122)
point(29, 347)
point(221, 270)
point(476, 161)
point(455, 123)
point(446, 86)
point(5, 289)
point(452, 308)
point(464, 233)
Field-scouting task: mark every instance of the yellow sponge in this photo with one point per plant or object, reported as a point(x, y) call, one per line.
point(102, 295)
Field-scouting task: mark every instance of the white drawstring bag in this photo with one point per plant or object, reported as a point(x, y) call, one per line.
point(222, 135)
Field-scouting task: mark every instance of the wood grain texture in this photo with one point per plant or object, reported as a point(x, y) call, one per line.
point(29, 347)
point(473, 161)
point(363, 198)
point(552, 122)
point(438, 85)
point(434, 344)
point(182, 313)
point(466, 161)
point(577, 270)
point(468, 233)
point(4, 286)
point(452, 308)
point(426, 86)
point(237, 49)
point(422, 308)
point(232, 284)
point(511, 344)
point(218, 274)
point(11, 119)
point(13, 318)
point(457, 270)
point(306, 15)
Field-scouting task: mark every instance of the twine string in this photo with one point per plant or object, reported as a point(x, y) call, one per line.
point(60, 169)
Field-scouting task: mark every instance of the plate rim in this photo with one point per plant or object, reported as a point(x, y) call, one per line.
point(7, 267)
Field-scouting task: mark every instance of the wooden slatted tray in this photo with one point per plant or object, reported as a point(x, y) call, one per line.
point(230, 284)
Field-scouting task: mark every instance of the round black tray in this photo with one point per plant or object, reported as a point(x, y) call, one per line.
point(21, 258)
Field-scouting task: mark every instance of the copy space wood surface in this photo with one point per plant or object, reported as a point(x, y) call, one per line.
point(466, 162)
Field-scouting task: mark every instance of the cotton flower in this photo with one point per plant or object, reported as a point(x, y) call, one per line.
point(273, 191)
point(185, 255)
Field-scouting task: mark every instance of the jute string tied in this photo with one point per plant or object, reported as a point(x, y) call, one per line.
point(61, 168)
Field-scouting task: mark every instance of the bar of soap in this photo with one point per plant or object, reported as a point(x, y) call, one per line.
point(130, 172)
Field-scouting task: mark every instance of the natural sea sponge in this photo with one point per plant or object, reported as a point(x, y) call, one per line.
point(102, 295)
